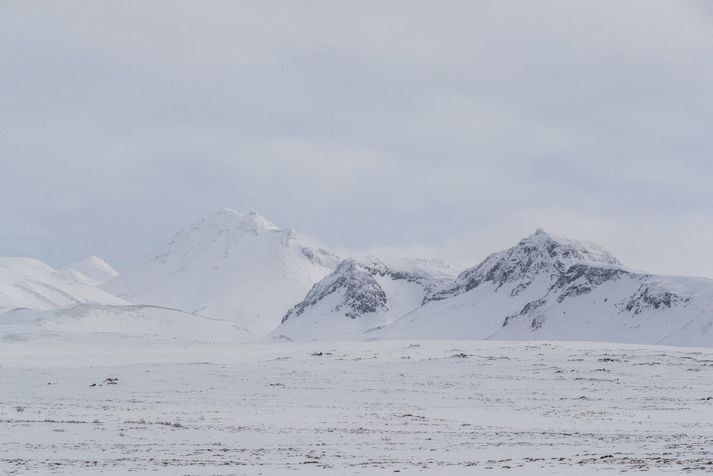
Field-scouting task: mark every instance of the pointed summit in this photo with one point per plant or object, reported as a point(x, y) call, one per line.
point(227, 218)
point(539, 234)
point(256, 222)
point(564, 250)
point(539, 254)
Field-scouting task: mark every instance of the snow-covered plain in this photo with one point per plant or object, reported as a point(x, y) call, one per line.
point(416, 407)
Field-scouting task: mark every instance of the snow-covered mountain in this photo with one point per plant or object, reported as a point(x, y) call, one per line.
point(229, 272)
point(89, 322)
point(360, 294)
point(30, 283)
point(93, 270)
point(228, 265)
point(547, 287)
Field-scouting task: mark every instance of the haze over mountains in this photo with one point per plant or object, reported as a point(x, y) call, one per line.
point(231, 273)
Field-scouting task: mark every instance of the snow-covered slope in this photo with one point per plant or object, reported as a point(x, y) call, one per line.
point(30, 283)
point(547, 287)
point(228, 265)
point(89, 322)
point(94, 270)
point(359, 295)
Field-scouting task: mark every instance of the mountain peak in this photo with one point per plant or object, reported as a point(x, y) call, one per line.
point(539, 254)
point(553, 248)
point(539, 234)
point(216, 234)
point(231, 219)
point(229, 265)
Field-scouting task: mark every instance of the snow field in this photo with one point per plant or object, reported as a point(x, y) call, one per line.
point(428, 407)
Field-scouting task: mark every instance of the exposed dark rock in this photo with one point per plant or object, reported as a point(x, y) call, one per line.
point(360, 293)
point(652, 297)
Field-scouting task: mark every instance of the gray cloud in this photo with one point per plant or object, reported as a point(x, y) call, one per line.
point(450, 128)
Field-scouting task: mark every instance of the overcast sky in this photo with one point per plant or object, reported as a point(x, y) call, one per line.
point(443, 128)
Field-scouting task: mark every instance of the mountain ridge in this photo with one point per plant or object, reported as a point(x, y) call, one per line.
point(546, 287)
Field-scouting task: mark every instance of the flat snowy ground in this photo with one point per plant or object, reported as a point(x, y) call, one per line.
point(462, 407)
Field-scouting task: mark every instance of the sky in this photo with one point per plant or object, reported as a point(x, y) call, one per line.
point(444, 129)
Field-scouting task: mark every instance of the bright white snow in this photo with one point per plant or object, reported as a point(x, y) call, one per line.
point(30, 283)
point(95, 270)
point(232, 266)
point(427, 407)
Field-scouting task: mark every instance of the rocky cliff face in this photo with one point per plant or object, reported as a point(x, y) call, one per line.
point(356, 283)
point(562, 269)
point(541, 254)
point(359, 295)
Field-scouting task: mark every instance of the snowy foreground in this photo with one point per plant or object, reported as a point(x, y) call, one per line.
point(464, 407)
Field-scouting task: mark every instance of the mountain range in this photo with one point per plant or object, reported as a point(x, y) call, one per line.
point(229, 273)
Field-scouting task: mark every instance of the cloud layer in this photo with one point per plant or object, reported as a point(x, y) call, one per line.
point(369, 124)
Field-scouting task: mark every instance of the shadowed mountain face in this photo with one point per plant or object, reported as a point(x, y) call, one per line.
point(358, 295)
point(357, 283)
